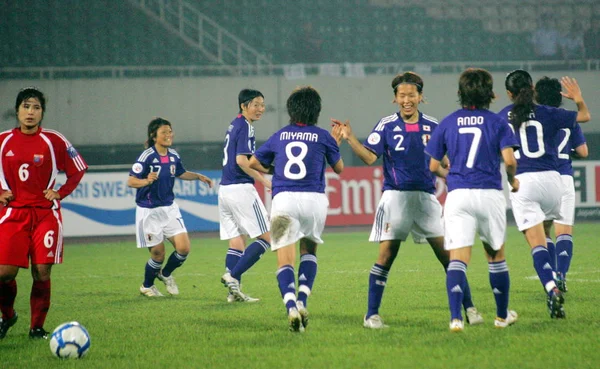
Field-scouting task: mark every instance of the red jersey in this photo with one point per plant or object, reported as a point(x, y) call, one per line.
point(30, 163)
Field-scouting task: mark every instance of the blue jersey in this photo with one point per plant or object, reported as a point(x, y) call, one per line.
point(299, 155)
point(539, 137)
point(569, 140)
point(239, 140)
point(405, 164)
point(159, 193)
point(473, 140)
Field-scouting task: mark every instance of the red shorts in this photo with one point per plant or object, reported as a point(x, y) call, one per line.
point(30, 233)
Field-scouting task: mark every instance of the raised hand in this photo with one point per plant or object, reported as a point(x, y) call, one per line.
point(572, 90)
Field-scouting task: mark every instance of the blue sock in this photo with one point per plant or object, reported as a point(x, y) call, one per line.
point(307, 272)
point(467, 301)
point(455, 285)
point(174, 262)
point(377, 281)
point(286, 278)
point(232, 258)
point(500, 283)
point(550, 246)
point(564, 253)
point(543, 267)
point(152, 269)
point(250, 256)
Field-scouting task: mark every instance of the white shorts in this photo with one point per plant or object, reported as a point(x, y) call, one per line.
point(538, 198)
point(399, 211)
point(153, 226)
point(241, 212)
point(307, 212)
point(567, 205)
point(467, 211)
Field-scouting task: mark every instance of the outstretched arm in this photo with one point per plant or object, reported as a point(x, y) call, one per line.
point(191, 176)
point(367, 156)
point(573, 92)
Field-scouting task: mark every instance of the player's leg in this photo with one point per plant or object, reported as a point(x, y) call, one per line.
point(286, 255)
point(307, 270)
point(500, 284)
point(8, 293)
point(149, 235)
point(14, 254)
point(176, 232)
point(564, 232)
point(456, 277)
point(550, 243)
point(46, 250)
point(39, 300)
point(230, 230)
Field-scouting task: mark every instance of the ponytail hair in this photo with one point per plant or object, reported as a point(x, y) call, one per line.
point(153, 127)
point(520, 85)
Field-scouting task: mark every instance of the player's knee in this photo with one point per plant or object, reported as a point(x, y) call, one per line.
point(279, 226)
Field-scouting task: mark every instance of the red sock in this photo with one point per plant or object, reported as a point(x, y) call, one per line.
point(8, 292)
point(39, 302)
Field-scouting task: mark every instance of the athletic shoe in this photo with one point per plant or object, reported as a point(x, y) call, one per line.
point(457, 325)
point(170, 283)
point(473, 316)
point(561, 282)
point(6, 324)
point(555, 304)
point(233, 285)
point(231, 298)
point(150, 291)
point(303, 312)
point(511, 318)
point(295, 320)
point(38, 333)
point(374, 322)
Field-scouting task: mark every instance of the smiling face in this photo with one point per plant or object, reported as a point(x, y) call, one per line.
point(408, 99)
point(254, 110)
point(164, 136)
point(30, 114)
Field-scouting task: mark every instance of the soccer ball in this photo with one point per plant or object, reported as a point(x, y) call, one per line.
point(70, 341)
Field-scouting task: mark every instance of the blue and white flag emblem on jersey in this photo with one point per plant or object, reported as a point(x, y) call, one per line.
point(72, 152)
point(38, 160)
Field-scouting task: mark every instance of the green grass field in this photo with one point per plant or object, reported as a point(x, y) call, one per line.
point(98, 286)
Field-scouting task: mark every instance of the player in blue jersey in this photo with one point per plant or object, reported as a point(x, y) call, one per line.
point(241, 211)
point(537, 128)
point(408, 202)
point(474, 140)
point(298, 155)
point(157, 214)
point(572, 142)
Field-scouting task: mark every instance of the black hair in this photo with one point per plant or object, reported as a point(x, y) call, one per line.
point(520, 85)
point(475, 88)
point(304, 106)
point(410, 78)
point(547, 92)
point(153, 127)
point(28, 93)
point(246, 96)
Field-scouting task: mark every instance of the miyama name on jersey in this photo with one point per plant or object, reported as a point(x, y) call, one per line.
point(405, 164)
point(299, 155)
point(159, 193)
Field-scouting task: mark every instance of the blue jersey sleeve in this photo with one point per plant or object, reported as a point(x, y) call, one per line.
point(265, 154)
point(577, 137)
point(436, 147)
point(242, 140)
point(565, 118)
point(507, 136)
point(333, 150)
point(376, 140)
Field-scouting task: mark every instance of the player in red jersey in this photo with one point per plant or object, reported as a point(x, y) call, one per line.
point(30, 221)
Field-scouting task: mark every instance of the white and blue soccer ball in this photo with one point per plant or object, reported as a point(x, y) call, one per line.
point(70, 341)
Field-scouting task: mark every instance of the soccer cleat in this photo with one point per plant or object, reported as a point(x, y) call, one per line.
point(555, 304)
point(150, 291)
point(303, 313)
point(374, 322)
point(457, 325)
point(38, 333)
point(561, 282)
point(511, 318)
point(6, 324)
point(295, 320)
point(231, 298)
point(473, 316)
point(233, 285)
point(169, 281)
